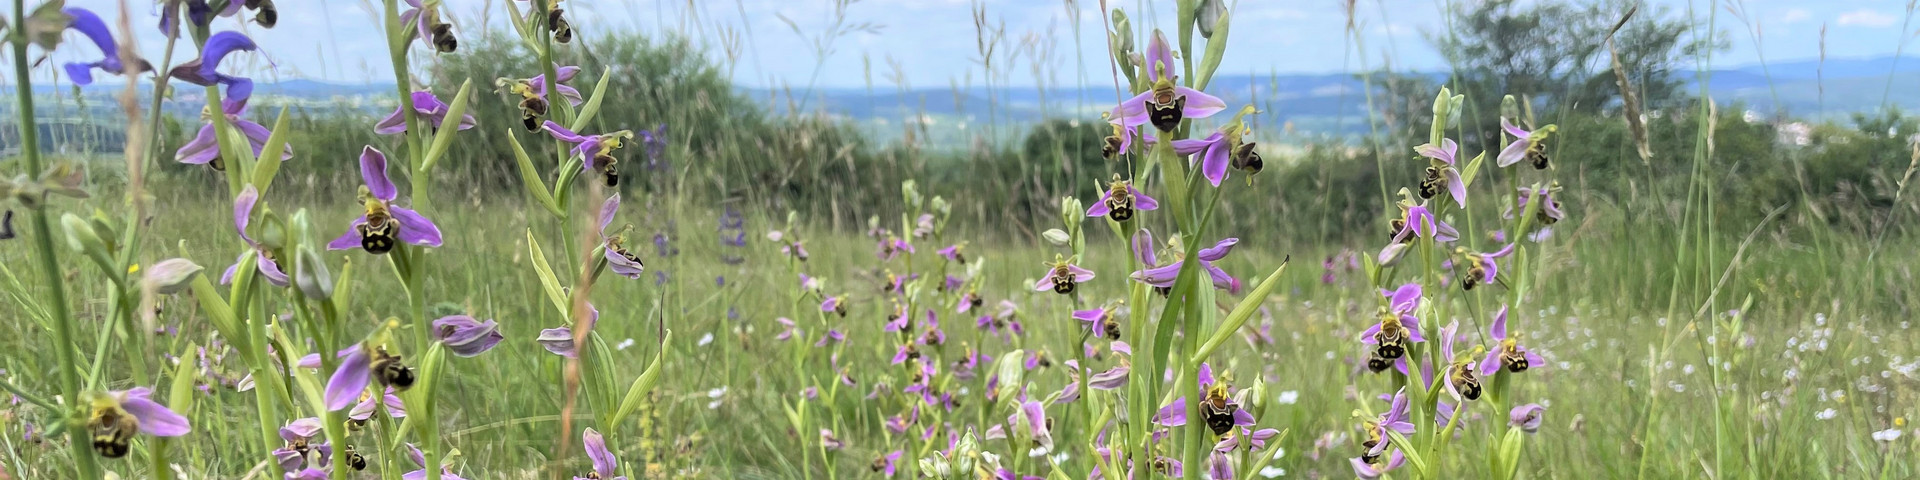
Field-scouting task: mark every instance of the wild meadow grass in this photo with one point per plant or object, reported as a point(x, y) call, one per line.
point(972, 327)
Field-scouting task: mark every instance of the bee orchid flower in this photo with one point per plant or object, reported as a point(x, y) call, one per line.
point(1120, 201)
point(1166, 103)
point(1062, 276)
point(1507, 353)
point(116, 416)
point(1527, 145)
point(204, 148)
point(426, 108)
point(623, 262)
point(1163, 276)
point(384, 225)
point(596, 151)
point(604, 464)
point(266, 264)
point(1442, 172)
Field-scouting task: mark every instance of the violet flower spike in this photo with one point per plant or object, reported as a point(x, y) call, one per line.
point(466, 337)
point(1443, 171)
point(198, 11)
point(90, 26)
point(1507, 352)
point(384, 223)
point(204, 71)
point(428, 109)
point(265, 263)
point(604, 464)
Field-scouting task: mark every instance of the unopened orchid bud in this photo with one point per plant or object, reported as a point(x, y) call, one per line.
point(80, 234)
point(311, 275)
point(1509, 107)
point(1057, 237)
point(171, 275)
point(273, 230)
point(1208, 14)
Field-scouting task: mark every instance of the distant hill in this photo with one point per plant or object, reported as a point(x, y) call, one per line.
point(1312, 103)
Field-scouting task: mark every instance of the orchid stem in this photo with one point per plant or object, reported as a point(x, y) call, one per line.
point(49, 260)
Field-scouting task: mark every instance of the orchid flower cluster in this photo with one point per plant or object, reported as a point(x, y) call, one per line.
point(1438, 389)
point(341, 406)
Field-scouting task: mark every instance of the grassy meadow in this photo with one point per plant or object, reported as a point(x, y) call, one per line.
point(1716, 303)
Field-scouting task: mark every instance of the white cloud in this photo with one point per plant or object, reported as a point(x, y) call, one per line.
point(1794, 15)
point(1867, 18)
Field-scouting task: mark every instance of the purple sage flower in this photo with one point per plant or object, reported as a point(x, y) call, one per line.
point(198, 11)
point(426, 108)
point(384, 224)
point(265, 264)
point(89, 25)
point(466, 337)
point(204, 71)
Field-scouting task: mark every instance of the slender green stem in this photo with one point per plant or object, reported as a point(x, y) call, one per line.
point(49, 258)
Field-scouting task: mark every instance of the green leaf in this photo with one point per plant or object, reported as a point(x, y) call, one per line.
point(1239, 315)
point(547, 280)
point(180, 393)
point(1012, 369)
point(343, 286)
point(530, 177)
point(592, 107)
point(267, 168)
point(1413, 454)
point(1216, 48)
point(1508, 457)
point(1473, 167)
point(444, 138)
point(651, 378)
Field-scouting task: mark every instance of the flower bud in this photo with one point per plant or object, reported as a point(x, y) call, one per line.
point(1071, 211)
point(273, 230)
point(1208, 14)
point(1509, 107)
point(1122, 32)
point(80, 234)
point(171, 276)
point(1057, 237)
point(311, 275)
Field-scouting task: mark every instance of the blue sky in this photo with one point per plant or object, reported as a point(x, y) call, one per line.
point(934, 41)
